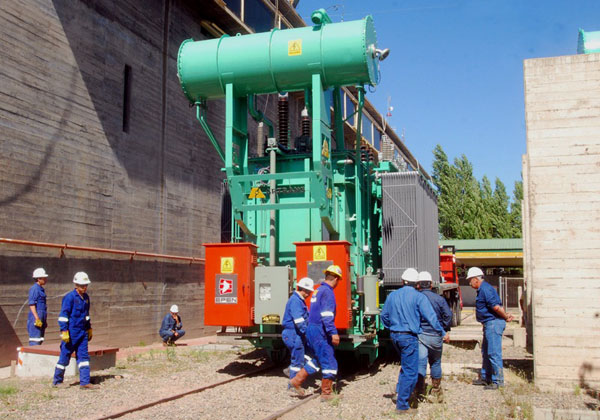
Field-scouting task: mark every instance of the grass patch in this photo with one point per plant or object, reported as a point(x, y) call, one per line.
point(7, 390)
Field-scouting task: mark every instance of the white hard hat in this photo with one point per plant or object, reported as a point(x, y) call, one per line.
point(425, 276)
point(81, 278)
point(174, 309)
point(39, 273)
point(474, 272)
point(306, 283)
point(410, 275)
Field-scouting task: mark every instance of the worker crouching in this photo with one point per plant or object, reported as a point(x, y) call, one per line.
point(171, 328)
point(321, 333)
point(295, 323)
point(75, 332)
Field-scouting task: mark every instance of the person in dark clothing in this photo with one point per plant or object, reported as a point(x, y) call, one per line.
point(171, 328)
point(430, 340)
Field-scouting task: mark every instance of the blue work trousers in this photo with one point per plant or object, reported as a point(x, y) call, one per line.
point(300, 354)
point(323, 350)
point(79, 345)
point(169, 336)
point(407, 347)
point(430, 350)
point(36, 334)
point(491, 352)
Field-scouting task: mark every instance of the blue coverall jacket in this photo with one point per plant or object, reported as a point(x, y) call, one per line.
point(168, 326)
point(37, 297)
point(74, 317)
point(442, 311)
point(321, 327)
point(295, 323)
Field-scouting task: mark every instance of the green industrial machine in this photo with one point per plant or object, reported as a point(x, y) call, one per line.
point(313, 190)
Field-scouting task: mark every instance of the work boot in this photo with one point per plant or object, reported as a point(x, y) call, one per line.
point(60, 385)
point(89, 386)
point(418, 393)
point(296, 382)
point(480, 382)
point(326, 390)
point(436, 389)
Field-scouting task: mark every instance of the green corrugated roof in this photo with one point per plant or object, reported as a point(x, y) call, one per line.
point(485, 244)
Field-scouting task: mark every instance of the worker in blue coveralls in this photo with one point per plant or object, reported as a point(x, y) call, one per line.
point(430, 341)
point(321, 332)
point(489, 311)
point(36, 320)
point(401, 314)
point(171, 328)
point(75, 332)
point(295, 322)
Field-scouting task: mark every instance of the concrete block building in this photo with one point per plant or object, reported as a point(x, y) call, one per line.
point(561, 216)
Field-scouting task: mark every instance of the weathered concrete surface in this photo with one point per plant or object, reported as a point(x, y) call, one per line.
point(561, 218)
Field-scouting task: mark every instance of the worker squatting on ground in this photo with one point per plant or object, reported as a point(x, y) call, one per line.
point(490, 313)
point(171, 328)
point(295, 322)
point(321, 332)
point(401, 314)
point(75, 332)
point(430, 341)
point(36, 320)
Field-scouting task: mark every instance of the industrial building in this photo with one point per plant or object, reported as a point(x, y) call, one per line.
point(104, 167)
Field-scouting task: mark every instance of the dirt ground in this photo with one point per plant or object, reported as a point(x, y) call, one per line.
point(147, 376)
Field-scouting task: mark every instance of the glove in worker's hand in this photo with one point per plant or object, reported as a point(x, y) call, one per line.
point(64, 336)
point(90, 334)
point(38, 323)
point(335, 339)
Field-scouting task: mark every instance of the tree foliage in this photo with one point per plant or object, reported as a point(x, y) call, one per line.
point(469, 209)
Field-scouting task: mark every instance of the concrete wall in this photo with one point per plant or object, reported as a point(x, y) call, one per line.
point(562, 218)
point(71, 174)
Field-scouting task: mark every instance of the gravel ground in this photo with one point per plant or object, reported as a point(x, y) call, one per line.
point(363, 395)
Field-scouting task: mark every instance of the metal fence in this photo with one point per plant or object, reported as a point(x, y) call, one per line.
point(509, 290)
point(410, 226)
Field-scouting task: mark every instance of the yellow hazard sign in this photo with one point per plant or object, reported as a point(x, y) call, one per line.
point(255, 192)
point(226, 264)
point(325, 149)
point(295, 47)
point(319, 252)
point(329, 193)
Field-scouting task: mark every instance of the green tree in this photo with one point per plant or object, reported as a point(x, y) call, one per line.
point(515, 211)
point(444, 179)
point(470, 209)
point(499, 211)
point(486, 193)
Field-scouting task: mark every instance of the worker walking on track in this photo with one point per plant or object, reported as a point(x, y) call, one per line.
point(430, 341)
point(321, 333)
point(295, 322)
point(401, 314)
point(75, 332)
point(38, 310)
point(490, 313)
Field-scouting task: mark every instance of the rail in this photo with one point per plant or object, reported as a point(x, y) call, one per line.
point(131, 254)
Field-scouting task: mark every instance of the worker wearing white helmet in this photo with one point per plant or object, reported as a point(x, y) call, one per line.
point(171, 328)
point(321, 333)
point(36, 320)
point(490, 313)
point(75, 332)
point(401, 314)
point(294, 324)
point(430, 341)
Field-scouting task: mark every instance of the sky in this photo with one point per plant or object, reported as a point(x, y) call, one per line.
point(455, 70)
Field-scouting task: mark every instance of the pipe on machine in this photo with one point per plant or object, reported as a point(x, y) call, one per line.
point(342, 54)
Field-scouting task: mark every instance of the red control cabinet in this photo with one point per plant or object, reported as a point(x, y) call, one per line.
point(314, 257)
point(229, 284)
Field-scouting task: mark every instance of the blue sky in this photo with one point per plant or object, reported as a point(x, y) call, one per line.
point(455, 71)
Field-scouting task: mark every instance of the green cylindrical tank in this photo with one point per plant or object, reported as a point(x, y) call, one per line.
point(281, 60)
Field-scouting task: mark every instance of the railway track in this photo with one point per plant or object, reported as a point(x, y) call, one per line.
point(140, 409)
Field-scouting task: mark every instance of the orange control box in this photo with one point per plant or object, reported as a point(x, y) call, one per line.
point(314, 257)
point(229, 284)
